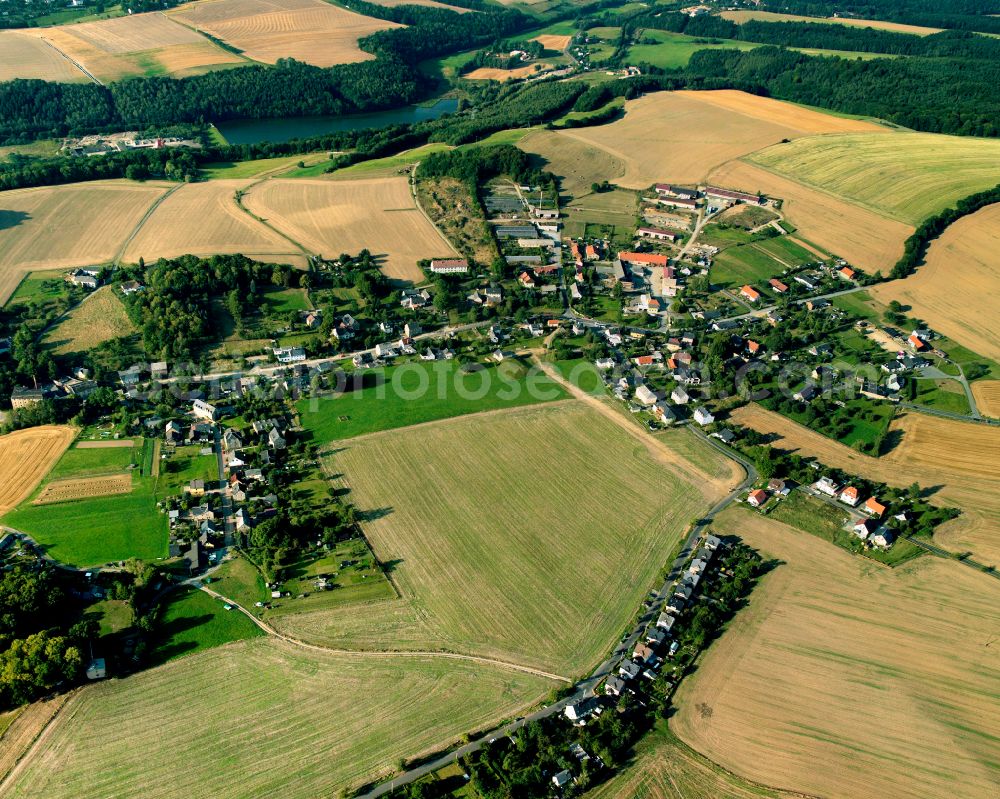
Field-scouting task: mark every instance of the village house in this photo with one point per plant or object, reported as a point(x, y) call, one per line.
point(275, 440)
point(289, 354)
point(412, 329)
point(864, 528)
point(757, 498)
point(526, 280)
point(413, 299)
point(84, 278)
point(644, 396)
point(203, 410)
point(22, 397)
point(679, 396)
point(130, 287)
point(826, 486)
point(628, 670)
point(450, 266)
point(703, 417)
point(196, 488)
point(562, 779)
point(614, 686)
point(749, 293)
point(883, 537)
point(846, 273)
point(874, 508)
point(657, 234)
point(777, 286)
point(665, 622)
point(172, 432)
point(806, 393)
point(664, 413)
point(202, 432)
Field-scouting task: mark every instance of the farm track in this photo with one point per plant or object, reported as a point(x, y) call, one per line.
point(13, 762)
point(74, 62)
point(139, 225)
point(380, 653)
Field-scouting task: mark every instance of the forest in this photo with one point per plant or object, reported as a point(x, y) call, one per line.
point(973, 15)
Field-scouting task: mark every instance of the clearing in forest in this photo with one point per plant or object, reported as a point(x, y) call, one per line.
point(79, 224)
point(954, 291)
point(489, 521)
point(289, 721)
point(329, 217)
point(311, 31)
point(768, 16)
point(26, 456)
point(834, 657)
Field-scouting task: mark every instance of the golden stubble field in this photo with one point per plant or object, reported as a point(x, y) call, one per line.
point(330, 217)
point(26, 456)
point(682, 136)
point(204, 219)
point(767, 16)
point(263, 718)
point(844, 678)
point(987, 396)
point(137, 45)
point(80, 224)
point(960, 461)
point(866, 239)
point(311, 31)
point(527, 535)
point(502, 75)
point(23, 55)
point(955, 290)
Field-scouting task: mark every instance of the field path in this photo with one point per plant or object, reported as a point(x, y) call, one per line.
point(74, 62)
point(35, 724)
point(139, 225)
point(267, 628)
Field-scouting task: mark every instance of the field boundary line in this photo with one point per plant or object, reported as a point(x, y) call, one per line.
point(142, 223)
point(416, 202)
point(238, 196)
point(73, 61)
point(25, 757)
point(267, 628)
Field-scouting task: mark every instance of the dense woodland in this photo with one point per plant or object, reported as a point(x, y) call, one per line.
point(974, 15)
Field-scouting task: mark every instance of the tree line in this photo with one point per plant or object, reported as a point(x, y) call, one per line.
point(973, 15)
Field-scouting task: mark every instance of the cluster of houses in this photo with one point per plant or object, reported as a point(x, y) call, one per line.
point(102, 144)
point(869, 526)
point(78, 384)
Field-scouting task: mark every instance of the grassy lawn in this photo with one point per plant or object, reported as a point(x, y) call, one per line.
point(742, 264)
point(422, 392)
point(185, 465)
point(113, 615)
point(582, 373)
point(43, 148)
point(40, 286)
point(944, 395)
point(90, 532)
point(253, 169)
point(786, 250)
point(239, 580)
point(192, 621)
point(673, 50)
point(488, 524)
point(263, 718)
point(818, 518)
point(99, 318)
point(279, 302)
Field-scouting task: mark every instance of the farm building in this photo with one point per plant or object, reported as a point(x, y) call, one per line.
point(450, 266)
point(669, 190)
point(658, 234)
point(739, 196)
point(750, 293)
point(643, 258)
point(22, 397)
point(678, 202)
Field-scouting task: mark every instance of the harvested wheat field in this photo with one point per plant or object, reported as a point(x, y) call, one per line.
point(767, 16)
point(954, 291)
point(288, 721)
point(958, 459)
point(492, 73)
point(311, 31)
point(577, 163)
point(83, 488)
point(551, 41)
point(80, 224)
point(330, 217)
point(23, 55)
point(987, 396)
point(21, 734)
point(204, 219)
point(905, 176)
point(137, 45)
point(682, 136)
point(869, 241)
point(100, 317)
point(26, 456)
point(846, 679)
point(569, 492)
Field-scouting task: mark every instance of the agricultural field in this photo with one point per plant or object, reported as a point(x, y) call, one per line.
point(959, 458)
point(682, 136)
point(139, 45)
point(577, 163)
point(204, 219)
point(492, 73)
point(569, 492)
point(987, 396)
point(80, 224)
point(193, 621)
point(745, 263)
point(330, 217)
point(868, 240)
point(88, 530)
point(20, 728)
point(666, 768)
point(83, 488)
point(740, 17)
point(290, 721)
point(26, 456)
point(674, 50)
point(928, 171)
point(554, 41)
point(417, 393)
point(311, 31)
point(954, 290)
point(23, 55)
point(100, 317)
point(785, 697)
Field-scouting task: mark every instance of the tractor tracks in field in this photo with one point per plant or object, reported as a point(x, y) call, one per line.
point(271, 631)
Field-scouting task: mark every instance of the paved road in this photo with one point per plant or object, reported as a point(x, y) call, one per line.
point(585, 687)
point(228, 525)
